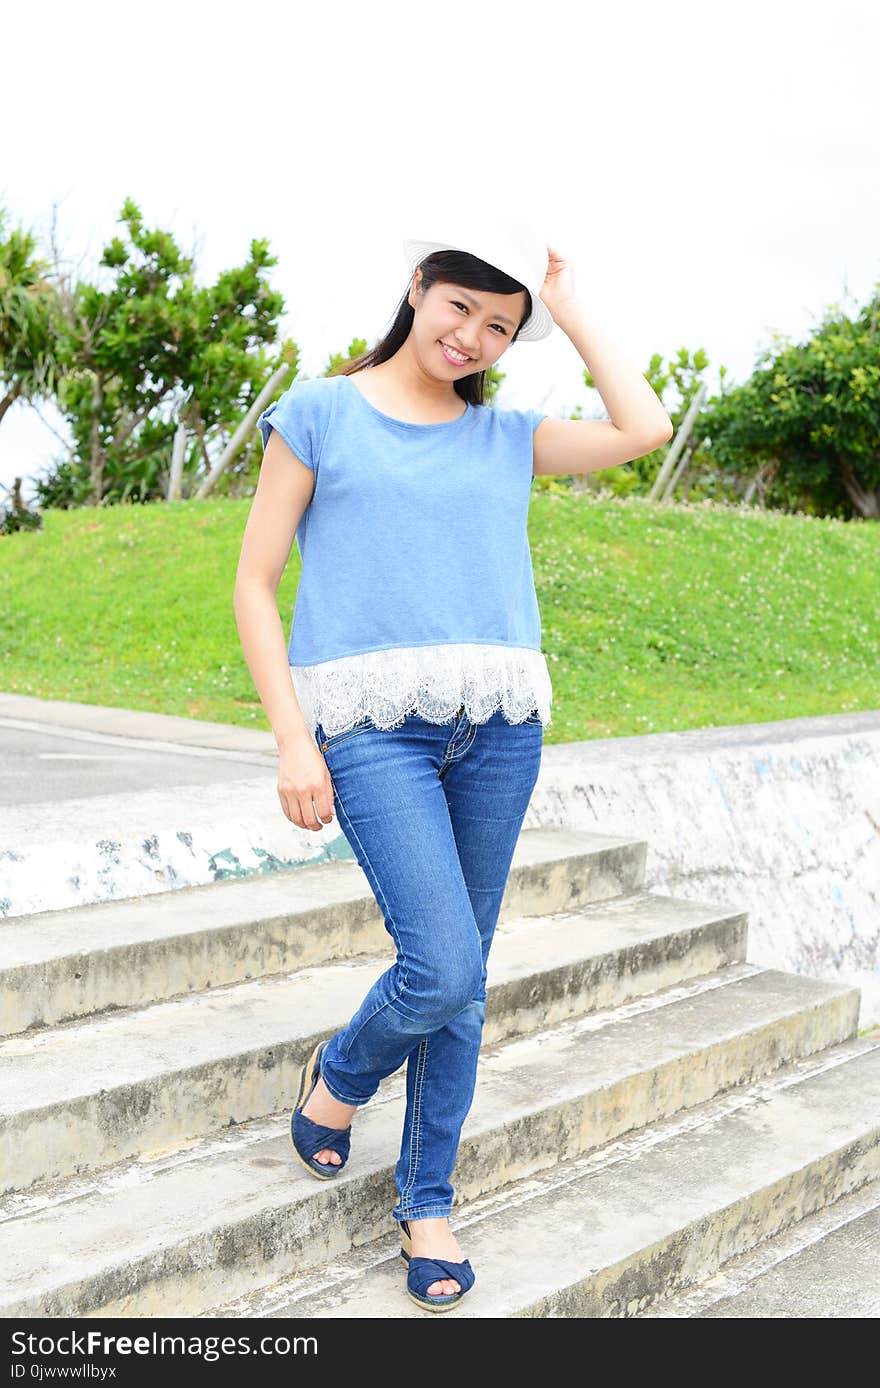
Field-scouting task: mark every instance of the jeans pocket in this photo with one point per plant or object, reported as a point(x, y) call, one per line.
point(534, 717)
point(324, 742)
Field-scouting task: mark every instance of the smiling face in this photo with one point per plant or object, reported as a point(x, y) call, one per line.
point(468, 321)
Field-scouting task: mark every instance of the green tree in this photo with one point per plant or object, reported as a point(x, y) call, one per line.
point(808, 419)
point(148, 351)
point(27, 361)
point(26, 302)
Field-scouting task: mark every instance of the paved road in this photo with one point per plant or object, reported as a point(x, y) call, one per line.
point(53, 751)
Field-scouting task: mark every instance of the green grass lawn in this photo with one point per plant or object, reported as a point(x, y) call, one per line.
point(655, 618)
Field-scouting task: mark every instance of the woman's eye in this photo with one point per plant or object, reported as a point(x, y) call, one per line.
point(494, 325)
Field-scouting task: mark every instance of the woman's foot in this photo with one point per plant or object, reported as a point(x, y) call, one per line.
point(322, 1108)
point(433, 1238)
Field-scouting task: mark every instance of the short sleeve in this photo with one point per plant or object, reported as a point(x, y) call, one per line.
point(301, 416)
point(534, 418)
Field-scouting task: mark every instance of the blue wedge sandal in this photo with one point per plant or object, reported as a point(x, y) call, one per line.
point(309, 1137)
point(421, 1272)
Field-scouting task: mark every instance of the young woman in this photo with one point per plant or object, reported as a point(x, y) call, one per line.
point(413, 693)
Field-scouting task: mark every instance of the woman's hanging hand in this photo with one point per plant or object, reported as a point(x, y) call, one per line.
point(304, 785)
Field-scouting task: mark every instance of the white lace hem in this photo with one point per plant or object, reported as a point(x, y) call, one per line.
point(432, 681)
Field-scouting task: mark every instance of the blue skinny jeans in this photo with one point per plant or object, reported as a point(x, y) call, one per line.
point(432, 812)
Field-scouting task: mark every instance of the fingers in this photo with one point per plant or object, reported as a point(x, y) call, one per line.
point(308, 809)
point(320, 810)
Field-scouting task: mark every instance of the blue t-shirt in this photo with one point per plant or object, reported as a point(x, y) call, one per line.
point(416, 534)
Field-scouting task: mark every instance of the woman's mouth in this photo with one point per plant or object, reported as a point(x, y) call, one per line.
point(454, 360)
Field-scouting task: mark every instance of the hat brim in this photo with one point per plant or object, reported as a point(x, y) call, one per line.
point(540, 322)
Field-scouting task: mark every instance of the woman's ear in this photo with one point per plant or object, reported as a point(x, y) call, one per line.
point(414, 289)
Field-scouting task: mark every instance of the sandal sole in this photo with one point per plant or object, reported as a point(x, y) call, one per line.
point(439, 1306)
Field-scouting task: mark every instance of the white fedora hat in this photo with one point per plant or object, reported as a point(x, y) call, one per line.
point(512, 245)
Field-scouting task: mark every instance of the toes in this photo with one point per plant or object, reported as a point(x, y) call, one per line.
point(443, 1288)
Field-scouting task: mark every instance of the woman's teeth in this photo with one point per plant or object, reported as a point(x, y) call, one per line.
point(450, 356)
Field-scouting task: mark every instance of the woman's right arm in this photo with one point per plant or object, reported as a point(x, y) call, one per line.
point(283, 492)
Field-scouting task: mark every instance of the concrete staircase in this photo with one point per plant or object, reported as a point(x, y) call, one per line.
point(651, 1109)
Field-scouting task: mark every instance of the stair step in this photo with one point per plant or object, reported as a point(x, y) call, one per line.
point(62, 965)
point(180, 1233)
point(613, 1234)
point(824, 1267)
point(86, 1094)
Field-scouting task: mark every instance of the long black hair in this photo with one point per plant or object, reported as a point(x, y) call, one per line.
point(452, 267)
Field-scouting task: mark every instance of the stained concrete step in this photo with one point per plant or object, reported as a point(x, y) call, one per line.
point(181, 1233)
point(825, 1267)
point(610, 1235)
point(62, 965)
point(81, 1096)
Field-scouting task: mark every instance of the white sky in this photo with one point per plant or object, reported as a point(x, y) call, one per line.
point(711, 171)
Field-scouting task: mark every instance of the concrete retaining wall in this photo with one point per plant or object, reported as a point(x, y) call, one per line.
point(781, 819)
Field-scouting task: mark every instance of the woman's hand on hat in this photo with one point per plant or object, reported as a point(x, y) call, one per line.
point(557, 291)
